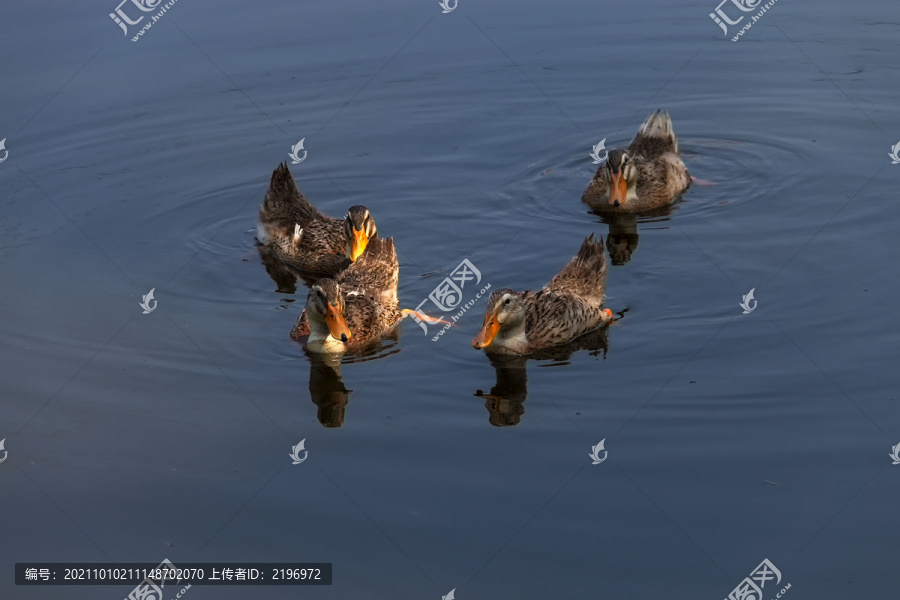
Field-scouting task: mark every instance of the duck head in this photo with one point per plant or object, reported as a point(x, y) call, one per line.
point(504, 321)
point(359, 228)
point(325, 311)
point(622, 175)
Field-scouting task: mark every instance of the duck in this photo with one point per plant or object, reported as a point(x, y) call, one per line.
point(354, 310)
point(297, 233)
point(566, 308)
point(648, 174)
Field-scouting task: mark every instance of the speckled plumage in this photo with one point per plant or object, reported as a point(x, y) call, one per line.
point(659, 175)
point(296, 232)
point(368, 289)
point(567, 307)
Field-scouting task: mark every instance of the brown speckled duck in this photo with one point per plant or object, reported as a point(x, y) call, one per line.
point(294, 230)
point(648, 174)
point(356, 308)
point(567, 307)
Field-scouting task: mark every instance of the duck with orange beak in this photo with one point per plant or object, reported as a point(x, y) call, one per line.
point(325, 308)
point(566, 308)
point(298, 234)
point(357, 308)
point(359, 228)
point(646, 175)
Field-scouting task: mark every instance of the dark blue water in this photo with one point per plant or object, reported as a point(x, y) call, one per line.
point(731, 438)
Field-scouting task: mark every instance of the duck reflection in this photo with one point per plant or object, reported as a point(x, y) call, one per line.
point(326, 383)
point(622, 240)
point(285, 277)
point(327, 389)
point(505, 402)
point(623, 237)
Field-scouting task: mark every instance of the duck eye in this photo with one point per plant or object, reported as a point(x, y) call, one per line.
point(506, 301)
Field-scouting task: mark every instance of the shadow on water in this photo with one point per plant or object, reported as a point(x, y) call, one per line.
point(285, 278)
point(326, 382)
point(505, 402)
point(622, 239)
point(327, 389)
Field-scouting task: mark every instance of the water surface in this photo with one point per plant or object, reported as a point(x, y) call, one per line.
point(731, 438)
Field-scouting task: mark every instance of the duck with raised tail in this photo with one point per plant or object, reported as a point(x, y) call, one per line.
point(648, 174)
point(566, 308)
point(297, 233)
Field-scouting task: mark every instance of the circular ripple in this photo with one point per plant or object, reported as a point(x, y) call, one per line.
point(728, 173)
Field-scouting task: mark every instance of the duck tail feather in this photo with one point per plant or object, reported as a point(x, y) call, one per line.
point(658, 126)
point(585, 275)
point(380, 249)
point(283, 191)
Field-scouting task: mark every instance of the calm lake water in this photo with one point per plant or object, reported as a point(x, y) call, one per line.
point(731, 437)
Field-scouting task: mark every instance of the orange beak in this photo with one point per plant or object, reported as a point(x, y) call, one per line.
point(618, 188)
point(358, 244)
point(488, 332)
point(336, 323)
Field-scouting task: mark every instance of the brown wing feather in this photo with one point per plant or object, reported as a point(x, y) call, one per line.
point(372, 307)
point(376, 273)
point(585, 275)
point(300, 330)
point(368, 319)
point(284, 205)
point(321, 249)
point(597, 193)
point(553, 319)
point(570, 305)
point(322, 236)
